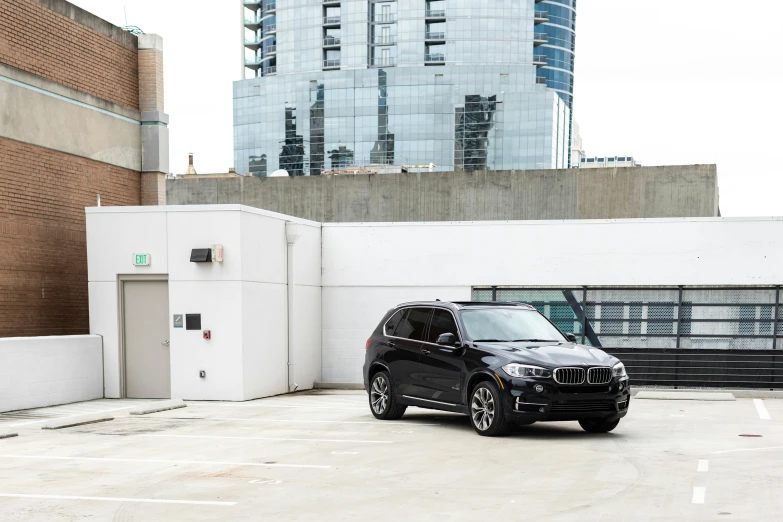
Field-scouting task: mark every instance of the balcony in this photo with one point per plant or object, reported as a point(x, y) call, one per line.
point(384, 40)
point(434, 15)
point(540, 17)
point(270, 8)
point(268, 51)
point(383, 62)
point(540, 80)
point(270, 29)
point(252, 4)
point(385, 18)
point(435, 59)
point(434, 37)
point(253, 44)
point(330, 2)
point(272, 69)
point(332, 41)
point(331, 20)
point(252, 23)
point(254, 62)
point(540, 39)
point(539, 60)
point(332, 64)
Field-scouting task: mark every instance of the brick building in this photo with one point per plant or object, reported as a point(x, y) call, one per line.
point(81, 120)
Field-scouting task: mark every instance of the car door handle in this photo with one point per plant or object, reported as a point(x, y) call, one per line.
point(425, 351)
point(390, 344)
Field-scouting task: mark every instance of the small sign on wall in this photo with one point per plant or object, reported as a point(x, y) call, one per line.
point(142, 259)
point(177, 320)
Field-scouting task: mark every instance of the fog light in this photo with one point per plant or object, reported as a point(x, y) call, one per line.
point(541, 409)
point(539, 388)
point(621, 386)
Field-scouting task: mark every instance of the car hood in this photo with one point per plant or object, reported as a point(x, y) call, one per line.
point(551, 355)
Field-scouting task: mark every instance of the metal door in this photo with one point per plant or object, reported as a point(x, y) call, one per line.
point(146, 331)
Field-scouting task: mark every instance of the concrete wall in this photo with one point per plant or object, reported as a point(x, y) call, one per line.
point(643, 192)
point(368, 268)
point(242, 300)
point(45, 371)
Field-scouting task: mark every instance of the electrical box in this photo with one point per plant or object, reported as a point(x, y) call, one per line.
point(192, 321)
point(217, 253)
point(201, 255)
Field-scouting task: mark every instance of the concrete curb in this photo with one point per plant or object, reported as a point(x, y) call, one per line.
point(7, 434)
point(155, 407)
point(77, 420)
point(673, 395)
point(337, 386)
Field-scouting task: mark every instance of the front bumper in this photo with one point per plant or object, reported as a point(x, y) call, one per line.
point(555, 402)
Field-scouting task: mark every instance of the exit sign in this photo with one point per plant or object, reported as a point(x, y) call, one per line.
point(141, 259)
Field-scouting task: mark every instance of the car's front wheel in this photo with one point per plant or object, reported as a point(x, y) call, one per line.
point(598, 425)
point(383, 404)
point(486, 410)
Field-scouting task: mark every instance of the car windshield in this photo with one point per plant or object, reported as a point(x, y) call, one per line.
point(509, 324)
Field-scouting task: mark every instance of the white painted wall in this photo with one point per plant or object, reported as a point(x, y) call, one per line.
point(45, 371)
point(369, 267)
point(242, 301)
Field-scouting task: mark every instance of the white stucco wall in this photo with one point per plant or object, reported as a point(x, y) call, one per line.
point(45, 371)
point(369, 267)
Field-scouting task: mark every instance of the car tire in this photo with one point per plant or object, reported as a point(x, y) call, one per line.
point(598, 425)
point(486, 410)
point(383, 403)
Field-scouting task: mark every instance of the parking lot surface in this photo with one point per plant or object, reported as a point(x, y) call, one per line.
point(322, 456)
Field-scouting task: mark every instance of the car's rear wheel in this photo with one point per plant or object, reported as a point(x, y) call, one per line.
point(486, 410)
point(383, 404)
point(598, 425)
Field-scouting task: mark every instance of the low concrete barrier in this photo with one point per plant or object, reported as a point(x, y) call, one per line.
point(46, 371)
point(155, 407)
point(76, 420)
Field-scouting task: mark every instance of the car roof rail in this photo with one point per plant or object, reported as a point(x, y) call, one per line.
point(491, 303)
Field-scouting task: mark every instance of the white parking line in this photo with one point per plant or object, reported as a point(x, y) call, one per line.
point(698, 495)
point(761, 409)
point(119, 499)
point(226, 437)
point(338, 408)
point(704, 465)
point(375, 423)
point(66, 417)
point(166, 461)
point(748, 449)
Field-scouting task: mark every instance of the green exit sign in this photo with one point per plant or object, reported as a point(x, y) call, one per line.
point(141, 259)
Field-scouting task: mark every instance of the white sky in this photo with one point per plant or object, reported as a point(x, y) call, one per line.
point(666, 81)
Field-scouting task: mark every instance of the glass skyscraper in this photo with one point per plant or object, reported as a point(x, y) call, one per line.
point(463, 84)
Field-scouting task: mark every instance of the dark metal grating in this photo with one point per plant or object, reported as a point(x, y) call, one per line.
point(601, 375)
point(570, 375)
point(583, 406)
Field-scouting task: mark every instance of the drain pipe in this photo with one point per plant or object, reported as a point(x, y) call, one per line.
point(291, 235)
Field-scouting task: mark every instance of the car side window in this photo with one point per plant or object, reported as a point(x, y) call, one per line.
point(393, 321)
point(442, 322)
point(413, 324)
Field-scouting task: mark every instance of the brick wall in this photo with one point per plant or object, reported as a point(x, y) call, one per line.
point(150, 80)
point(46, 43)
point(43, 256)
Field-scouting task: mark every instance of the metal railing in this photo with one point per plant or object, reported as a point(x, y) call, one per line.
point(331, 40)
point(391, 61)
point(385, 18)
point(541, 16)
point(270, 7)
point(540, 37)
point(540, 80)
point(435, 57)
point(253, 61)
point(435, 36)
point(384, 40)
point(688, 336)
point(539, 59)
point(270, 29)
point(435, 13)
point(270, 50)
point(272, 69)
point(332, 63)
point(334, 19)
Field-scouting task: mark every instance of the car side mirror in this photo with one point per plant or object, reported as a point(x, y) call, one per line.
point(447, 339)
point(571, 337)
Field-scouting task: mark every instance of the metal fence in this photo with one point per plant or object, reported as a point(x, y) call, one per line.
point(671, 336)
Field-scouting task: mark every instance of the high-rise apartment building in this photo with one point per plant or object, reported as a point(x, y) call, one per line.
point(463, 84)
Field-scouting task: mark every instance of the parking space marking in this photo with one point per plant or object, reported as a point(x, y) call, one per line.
point(66, 416)
point(761, 409)
point(337, 408)
point(304, 421)
point(698, 495)
point(748, 449)
point(275, 439)
point(166, 461)
point(704, 465)
point(118, 499)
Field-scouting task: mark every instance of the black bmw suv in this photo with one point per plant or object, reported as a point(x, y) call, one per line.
point(499, 363)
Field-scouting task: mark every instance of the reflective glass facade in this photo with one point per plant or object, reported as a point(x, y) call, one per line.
point(466, 85)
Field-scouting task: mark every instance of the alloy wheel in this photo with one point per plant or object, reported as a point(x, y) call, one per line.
point(482, 408)
point(379, 395)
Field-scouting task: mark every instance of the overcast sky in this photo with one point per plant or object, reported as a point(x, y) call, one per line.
point(666, 81)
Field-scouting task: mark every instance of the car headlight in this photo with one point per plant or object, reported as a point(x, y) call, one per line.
point(619, 370)
point(523, 370)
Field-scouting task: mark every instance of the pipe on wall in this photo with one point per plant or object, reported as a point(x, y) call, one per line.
point(292, 233)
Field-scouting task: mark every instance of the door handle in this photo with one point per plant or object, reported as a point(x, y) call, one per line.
point(165, 343)
point(391, 344)
point(425, 351)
